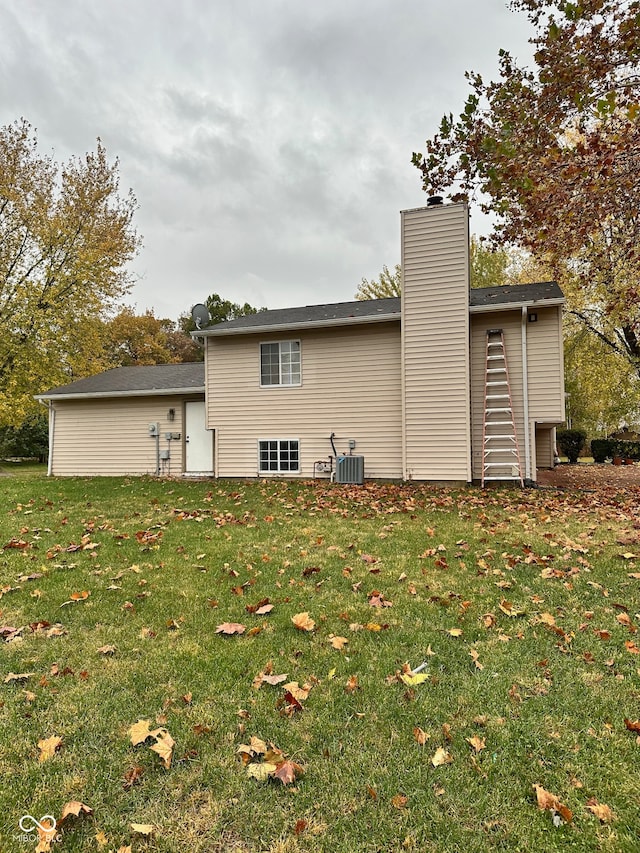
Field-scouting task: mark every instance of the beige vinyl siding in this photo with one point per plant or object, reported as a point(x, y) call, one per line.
point(546, 371)
point(435, 343)
point(109, 437)
point(350, 386)
point(511, 324)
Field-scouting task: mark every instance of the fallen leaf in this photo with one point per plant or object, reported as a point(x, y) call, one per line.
point(74, 808)
point(261, 770)
point(632, 725)
point(440, 757)
point(412, 680)
point(163, 746)
point(143, 828)
point(420, 736)
point(139, 732)
point(549, 802)
point(338, 642)
point(455, 632)
point(80, 596)
point(399, 801)
point(107, 650)
point(476, 743)
point(48, 747)
point(230, 628)
point(303, 622)
point(600, 810)
point(133, 776)
point(18, 677)
point(288, 771)
point(352, 684)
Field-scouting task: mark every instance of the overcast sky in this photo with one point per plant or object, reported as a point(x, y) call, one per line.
point(268, 142)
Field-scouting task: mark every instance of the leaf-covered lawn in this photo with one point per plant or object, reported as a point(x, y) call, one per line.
point(296, 667)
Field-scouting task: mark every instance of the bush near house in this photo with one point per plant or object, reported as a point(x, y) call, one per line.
point(30, 440)
point(571, 442)
point(609, 448)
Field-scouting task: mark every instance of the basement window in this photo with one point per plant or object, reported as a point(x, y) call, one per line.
point(279, 456)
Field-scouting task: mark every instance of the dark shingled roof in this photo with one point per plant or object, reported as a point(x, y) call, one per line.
point(367, 309)
point(140, 380)
point(509, 294)
point(372, 310)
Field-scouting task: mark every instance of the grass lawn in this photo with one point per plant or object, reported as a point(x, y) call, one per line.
point(116, 599)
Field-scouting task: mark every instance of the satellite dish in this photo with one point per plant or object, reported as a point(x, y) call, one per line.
point(200, 315)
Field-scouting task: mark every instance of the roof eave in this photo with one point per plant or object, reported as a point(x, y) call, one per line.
point(94, 395)
point(524, 303)
point(218, 331)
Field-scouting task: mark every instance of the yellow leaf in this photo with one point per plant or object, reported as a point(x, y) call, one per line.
point(143, 828)
point(139, 732)
point(331, 673)
point(440, 757)
point(455, 632)
point(303, 622)
point(164, 746)
point(412, 680)
point(48, 747)
point(261, 771)
point(101, 839)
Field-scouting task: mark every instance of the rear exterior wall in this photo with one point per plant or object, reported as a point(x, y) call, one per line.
point(110, 436)
point(350, 386)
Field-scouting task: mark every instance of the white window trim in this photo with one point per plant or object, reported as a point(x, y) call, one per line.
point(280, 384)
point(279, 471)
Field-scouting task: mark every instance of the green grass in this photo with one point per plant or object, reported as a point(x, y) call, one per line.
point(534, 580)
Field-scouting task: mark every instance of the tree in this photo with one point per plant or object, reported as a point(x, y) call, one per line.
point(489, 266)
point(131, 338)
point(29, 440)
point(387, 284)
point(66, 237)
point(554, 155)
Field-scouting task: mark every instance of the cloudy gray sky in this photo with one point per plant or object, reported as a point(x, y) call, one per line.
point(268, 142)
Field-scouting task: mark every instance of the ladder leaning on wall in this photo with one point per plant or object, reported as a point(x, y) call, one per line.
point(500, 452)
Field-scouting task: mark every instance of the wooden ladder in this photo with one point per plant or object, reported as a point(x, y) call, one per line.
point(500, 453)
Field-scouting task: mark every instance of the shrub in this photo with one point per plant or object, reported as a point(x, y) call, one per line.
point(601, 449)
point(571, 442)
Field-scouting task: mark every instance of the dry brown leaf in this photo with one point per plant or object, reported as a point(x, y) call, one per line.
point(163, 746)
point(399, 801)
point(600, 810)
point(229, 628)
point(339, 643)
point(132, 777)
point(107, 650)
point(139, 732)
point(420, 736)
point(303, 622)
point(275, 679)
point(18, 677)
point(549, 802)
point(48, 747)
point(476, 743)
point(440, 757)
point(352, 684)
point(288, 771)
point(74, 808)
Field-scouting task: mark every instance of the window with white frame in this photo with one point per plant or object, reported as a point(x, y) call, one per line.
point(280, 363)
point(279, 456)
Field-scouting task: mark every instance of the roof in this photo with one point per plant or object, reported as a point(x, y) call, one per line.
point(510, 295)
point(378, 310)
point(139, 380)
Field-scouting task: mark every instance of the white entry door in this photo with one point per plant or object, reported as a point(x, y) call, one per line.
point(198, 440)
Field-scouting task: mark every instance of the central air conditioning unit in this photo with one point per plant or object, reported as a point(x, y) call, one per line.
point(350, 469)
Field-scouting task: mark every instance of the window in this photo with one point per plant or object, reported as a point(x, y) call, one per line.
point(280, 363)
point(279, 456)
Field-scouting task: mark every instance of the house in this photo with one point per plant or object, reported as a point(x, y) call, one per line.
point(130, 420)
point(398, 383)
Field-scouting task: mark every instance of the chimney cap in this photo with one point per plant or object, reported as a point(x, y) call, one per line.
point(434, 200)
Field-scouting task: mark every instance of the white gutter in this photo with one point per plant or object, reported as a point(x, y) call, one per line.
point(525, 397)
point(218, 330)
point(94, 395)
point(509, 306)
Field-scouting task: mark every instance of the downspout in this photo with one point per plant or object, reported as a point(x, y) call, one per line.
point(525, 401)
point(52, 425)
